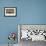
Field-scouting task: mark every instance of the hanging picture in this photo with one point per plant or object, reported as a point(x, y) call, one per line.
point(10, 11)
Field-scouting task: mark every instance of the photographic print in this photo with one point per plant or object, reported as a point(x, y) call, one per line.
point(33, 32)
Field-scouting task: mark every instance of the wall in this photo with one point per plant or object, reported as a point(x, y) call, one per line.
point(28, 12)
point(33, 12)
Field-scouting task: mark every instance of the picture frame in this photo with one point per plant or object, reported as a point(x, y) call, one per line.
point(10, 11)
point(40, 28)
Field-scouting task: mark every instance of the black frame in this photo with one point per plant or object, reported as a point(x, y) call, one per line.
point(10, 16)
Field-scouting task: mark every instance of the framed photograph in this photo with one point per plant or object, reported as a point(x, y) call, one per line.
point(33, 32)
point(10, 11)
